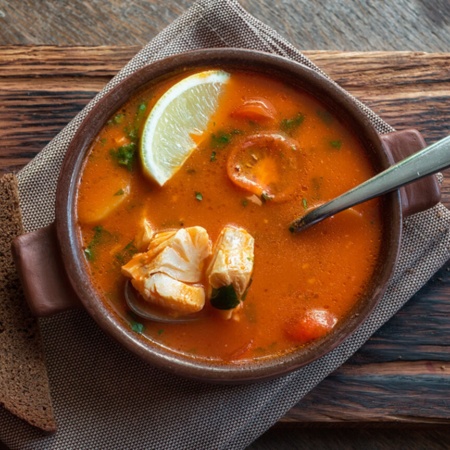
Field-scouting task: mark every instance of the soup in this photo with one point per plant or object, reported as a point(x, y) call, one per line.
point(268, 154)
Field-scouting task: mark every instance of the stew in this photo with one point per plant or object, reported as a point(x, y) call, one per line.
point(269, 152)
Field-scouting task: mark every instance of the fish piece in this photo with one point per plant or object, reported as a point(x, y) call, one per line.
point(180, 256)
point(231, 266)
point(144, 235)
point(175, 295)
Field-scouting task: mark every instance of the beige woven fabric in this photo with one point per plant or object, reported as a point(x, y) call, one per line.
point(104, 397)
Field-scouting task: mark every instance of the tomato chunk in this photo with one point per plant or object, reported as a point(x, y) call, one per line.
point(265, 164)
point(314, 324)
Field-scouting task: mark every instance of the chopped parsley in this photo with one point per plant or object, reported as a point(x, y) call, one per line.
point(304, 203)
point(213, 157)
point(221, 139)
point(118, 118)
point(125, 155)
point(142, 107)
point(119, 192)
point(290, 125)
point(199, 196)
point(137, 327)
point(132, 133)
point(99, 234)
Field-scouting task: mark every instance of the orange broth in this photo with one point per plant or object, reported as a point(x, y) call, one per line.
point(327, 266)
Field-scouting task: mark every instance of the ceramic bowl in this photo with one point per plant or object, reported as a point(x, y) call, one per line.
point(59, 250)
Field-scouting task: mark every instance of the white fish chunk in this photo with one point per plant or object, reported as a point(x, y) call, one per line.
point(144, 235)
point(172, 294)
point(232, 262)
point(180, 256)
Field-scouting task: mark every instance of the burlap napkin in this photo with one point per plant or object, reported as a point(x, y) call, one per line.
point(104, 397)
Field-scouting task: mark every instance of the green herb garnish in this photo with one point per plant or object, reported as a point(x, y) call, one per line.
point(118, 118)
point(199, 196)
point(213, 158)
point(125, 155)
point(137, 327)
point(224, 298)
point(221, 139)
point(99, 233)
point(119, 192)
point(142, 107)
point(132, 133)
point(289, 125)
point(304, 203)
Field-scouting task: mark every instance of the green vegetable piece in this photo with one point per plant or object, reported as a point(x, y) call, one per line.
point(305, 203)
point(290, 125)
point(125, 155)
point(224, 298)
point(199, 196)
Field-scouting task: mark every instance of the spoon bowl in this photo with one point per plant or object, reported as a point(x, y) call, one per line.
point(147, 311)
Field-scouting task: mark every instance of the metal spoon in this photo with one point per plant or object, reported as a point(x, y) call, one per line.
point(148, 311)
point(425, 162)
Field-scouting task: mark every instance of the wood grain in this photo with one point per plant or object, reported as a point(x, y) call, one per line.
point(402, 375)
point(350, 25)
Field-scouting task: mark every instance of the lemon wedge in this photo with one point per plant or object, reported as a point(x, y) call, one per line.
point(179, 117)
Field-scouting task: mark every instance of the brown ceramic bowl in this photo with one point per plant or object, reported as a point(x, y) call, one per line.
point(61, 252)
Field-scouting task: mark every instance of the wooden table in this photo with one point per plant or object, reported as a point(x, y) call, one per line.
point(402, 375)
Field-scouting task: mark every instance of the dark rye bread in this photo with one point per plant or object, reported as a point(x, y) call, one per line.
point(24, 386)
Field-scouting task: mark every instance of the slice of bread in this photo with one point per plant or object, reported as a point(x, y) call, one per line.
point(24, 385)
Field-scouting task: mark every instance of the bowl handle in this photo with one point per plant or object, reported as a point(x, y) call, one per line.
point(41, 270)
point(419, 195)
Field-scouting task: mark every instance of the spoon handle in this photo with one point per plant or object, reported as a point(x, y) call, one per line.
point(425, 162)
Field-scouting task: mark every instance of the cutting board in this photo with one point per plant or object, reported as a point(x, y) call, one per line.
point(402, 374)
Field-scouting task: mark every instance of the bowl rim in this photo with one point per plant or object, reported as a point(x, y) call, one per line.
point(326, 91)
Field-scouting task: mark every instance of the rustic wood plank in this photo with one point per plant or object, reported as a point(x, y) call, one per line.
point(332, 25)
point(403, 373)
